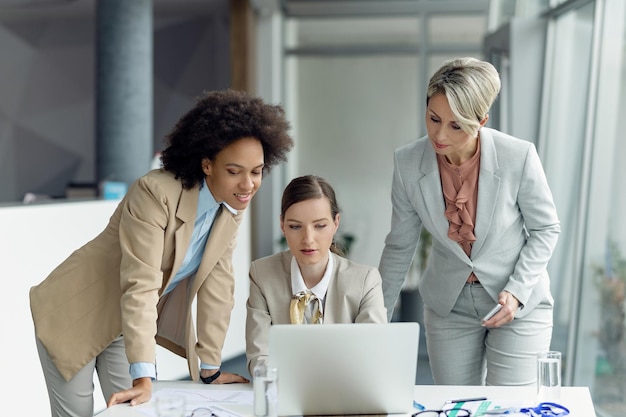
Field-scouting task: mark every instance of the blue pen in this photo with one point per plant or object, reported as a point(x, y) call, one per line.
point(418, 406)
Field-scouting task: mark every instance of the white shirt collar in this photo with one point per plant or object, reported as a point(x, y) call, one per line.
point(232, 210)
point(297, 282)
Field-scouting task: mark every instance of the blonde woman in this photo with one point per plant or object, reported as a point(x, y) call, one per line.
point(484, 198)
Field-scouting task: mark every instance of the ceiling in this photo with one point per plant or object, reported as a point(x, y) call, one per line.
point(37, 9)
point(380, 7)
point(33, 9)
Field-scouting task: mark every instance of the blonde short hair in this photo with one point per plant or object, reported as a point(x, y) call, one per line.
point(470, 85)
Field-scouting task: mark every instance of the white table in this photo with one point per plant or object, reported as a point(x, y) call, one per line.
point(577, 399)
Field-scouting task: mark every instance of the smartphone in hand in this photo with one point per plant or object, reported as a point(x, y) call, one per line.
point(492, 312)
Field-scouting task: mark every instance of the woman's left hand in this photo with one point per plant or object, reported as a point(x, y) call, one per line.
point(225, 378)
point(510, 304)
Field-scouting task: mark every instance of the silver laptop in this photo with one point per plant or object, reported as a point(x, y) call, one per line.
point(360, 368)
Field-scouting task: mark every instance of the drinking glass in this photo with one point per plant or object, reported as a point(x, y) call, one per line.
point(549, 376)
point(265, 383)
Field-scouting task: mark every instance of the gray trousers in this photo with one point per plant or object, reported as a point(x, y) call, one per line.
point(74, 398)
point(462, 352)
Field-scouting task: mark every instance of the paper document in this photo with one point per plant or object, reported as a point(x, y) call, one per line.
point(478, 408)
point(215, 400)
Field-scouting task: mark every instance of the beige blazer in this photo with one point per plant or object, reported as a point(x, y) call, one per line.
point(113, 284)
point(516, 226)
point(354, 296)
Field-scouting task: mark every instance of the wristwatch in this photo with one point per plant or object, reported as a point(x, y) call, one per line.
point(210, 379)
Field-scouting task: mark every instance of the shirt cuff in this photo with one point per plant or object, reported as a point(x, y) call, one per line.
point(207, 366)
point(142, 370)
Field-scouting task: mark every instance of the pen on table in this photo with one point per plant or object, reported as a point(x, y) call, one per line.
point(418, 406)
point(466, 400)
point(501, 411)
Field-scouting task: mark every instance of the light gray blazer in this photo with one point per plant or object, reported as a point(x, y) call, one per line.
point(516, 226)
point(354, 296)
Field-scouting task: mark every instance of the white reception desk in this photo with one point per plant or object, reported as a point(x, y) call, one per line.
point(33, 240)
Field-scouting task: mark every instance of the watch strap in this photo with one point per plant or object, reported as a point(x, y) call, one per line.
point(210, 379)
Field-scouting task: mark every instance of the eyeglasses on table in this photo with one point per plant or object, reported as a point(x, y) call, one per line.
point(203, 412)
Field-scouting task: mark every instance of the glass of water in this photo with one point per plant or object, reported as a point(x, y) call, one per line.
point(265, 386)
point(549, 376)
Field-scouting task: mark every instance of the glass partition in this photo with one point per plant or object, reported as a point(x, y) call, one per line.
point(564, 124)
point(602, 335)
point(584, 102)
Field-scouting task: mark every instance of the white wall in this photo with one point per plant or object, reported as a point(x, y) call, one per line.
point(33, 240)
point(47, 105)
point(350, 114)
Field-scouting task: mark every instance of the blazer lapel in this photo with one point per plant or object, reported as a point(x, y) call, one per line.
point(223, 229)
point(488, 189)
point(432, 194)
point(187, 208)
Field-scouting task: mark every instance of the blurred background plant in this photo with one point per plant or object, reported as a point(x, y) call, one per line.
point(610, 280)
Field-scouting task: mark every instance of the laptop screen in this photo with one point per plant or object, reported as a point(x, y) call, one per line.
point(362, 368)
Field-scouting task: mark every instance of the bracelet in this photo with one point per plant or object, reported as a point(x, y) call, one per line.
point(210, 379)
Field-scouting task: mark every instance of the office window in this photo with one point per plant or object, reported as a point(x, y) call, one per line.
point(603, 302)
point(565, 121)
point(584, 106)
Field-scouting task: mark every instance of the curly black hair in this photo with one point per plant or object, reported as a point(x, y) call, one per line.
point(218, 119)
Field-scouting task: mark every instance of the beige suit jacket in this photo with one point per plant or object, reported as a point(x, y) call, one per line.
point(354, 296)
point(113, 284)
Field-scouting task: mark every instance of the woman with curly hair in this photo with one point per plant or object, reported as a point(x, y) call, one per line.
point(169, 242)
